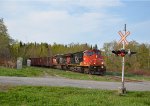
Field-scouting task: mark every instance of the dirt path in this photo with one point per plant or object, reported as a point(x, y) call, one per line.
point(56, 81)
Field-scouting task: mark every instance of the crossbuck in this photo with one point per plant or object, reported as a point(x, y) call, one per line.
point(123, 37)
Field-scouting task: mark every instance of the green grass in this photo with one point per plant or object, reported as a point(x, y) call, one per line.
point(129, 76)
point(46, 72)
point(76, 75)
point(24, 72)
point(68, 96)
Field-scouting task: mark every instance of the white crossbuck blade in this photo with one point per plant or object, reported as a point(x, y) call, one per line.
point(123, 37)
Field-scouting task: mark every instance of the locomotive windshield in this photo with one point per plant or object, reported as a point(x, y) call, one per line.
point(98, 52)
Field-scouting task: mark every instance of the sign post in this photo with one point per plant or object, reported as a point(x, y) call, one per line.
point(123, 41)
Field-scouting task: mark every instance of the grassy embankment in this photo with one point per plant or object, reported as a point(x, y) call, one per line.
point(68, 96)
point(45, 72)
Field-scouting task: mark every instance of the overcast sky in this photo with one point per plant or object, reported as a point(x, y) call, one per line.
point(77, 21)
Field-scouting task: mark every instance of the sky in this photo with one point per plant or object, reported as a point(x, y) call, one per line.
point(76, 21)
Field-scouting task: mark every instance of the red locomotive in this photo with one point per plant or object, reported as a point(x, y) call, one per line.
point(89, 61)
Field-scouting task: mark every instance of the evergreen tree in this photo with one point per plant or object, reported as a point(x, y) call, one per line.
point(95, 47)
point(4, 41)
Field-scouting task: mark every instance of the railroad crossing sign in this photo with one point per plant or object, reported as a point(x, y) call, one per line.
point(123, 37)
point(123, 41)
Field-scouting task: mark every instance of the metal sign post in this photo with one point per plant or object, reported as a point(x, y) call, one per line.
point(123, 41)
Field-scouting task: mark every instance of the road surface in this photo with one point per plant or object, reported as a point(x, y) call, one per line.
point(56, 81)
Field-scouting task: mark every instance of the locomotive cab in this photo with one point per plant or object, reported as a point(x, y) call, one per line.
point(92, 57)
point(94, 60)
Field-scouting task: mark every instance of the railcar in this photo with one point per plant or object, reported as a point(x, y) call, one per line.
point(41, 61)
point(89, 61)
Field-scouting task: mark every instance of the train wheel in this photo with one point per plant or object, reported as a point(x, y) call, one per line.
point(103, 72)
point(86, 70)
point(90, 71)
point(63, 67)
point(82, 70)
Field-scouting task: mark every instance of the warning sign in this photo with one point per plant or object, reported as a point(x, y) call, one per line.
point(123, 37)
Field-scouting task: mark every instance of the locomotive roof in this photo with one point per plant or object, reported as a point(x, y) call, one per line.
point(91, 50)
point(39, 57)
point(69, 54)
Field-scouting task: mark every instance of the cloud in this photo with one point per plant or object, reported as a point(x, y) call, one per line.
point(15, 5)
point(87, 3)
point(62, 21)
point(98, 3)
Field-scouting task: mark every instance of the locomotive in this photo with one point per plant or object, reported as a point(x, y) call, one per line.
point(88, 61)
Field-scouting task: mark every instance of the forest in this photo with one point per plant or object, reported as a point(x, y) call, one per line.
point(11, 49)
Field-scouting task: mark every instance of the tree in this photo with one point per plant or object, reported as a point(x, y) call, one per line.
point(95, 47)
point(4, 41)
point(3, 28)
point(140, 61)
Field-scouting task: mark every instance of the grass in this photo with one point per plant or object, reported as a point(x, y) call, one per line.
point(24, 72)
point(129, 76)
point(46, 72)
point(68, 96)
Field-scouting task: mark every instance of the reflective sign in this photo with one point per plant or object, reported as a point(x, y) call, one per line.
point(123, 37)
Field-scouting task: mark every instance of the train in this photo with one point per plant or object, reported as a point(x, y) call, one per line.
point(88, 61)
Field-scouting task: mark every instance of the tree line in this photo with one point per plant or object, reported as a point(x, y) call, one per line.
point(137, 63)
point(12, 49)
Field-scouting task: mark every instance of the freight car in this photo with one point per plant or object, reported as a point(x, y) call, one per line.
point(89, 61)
